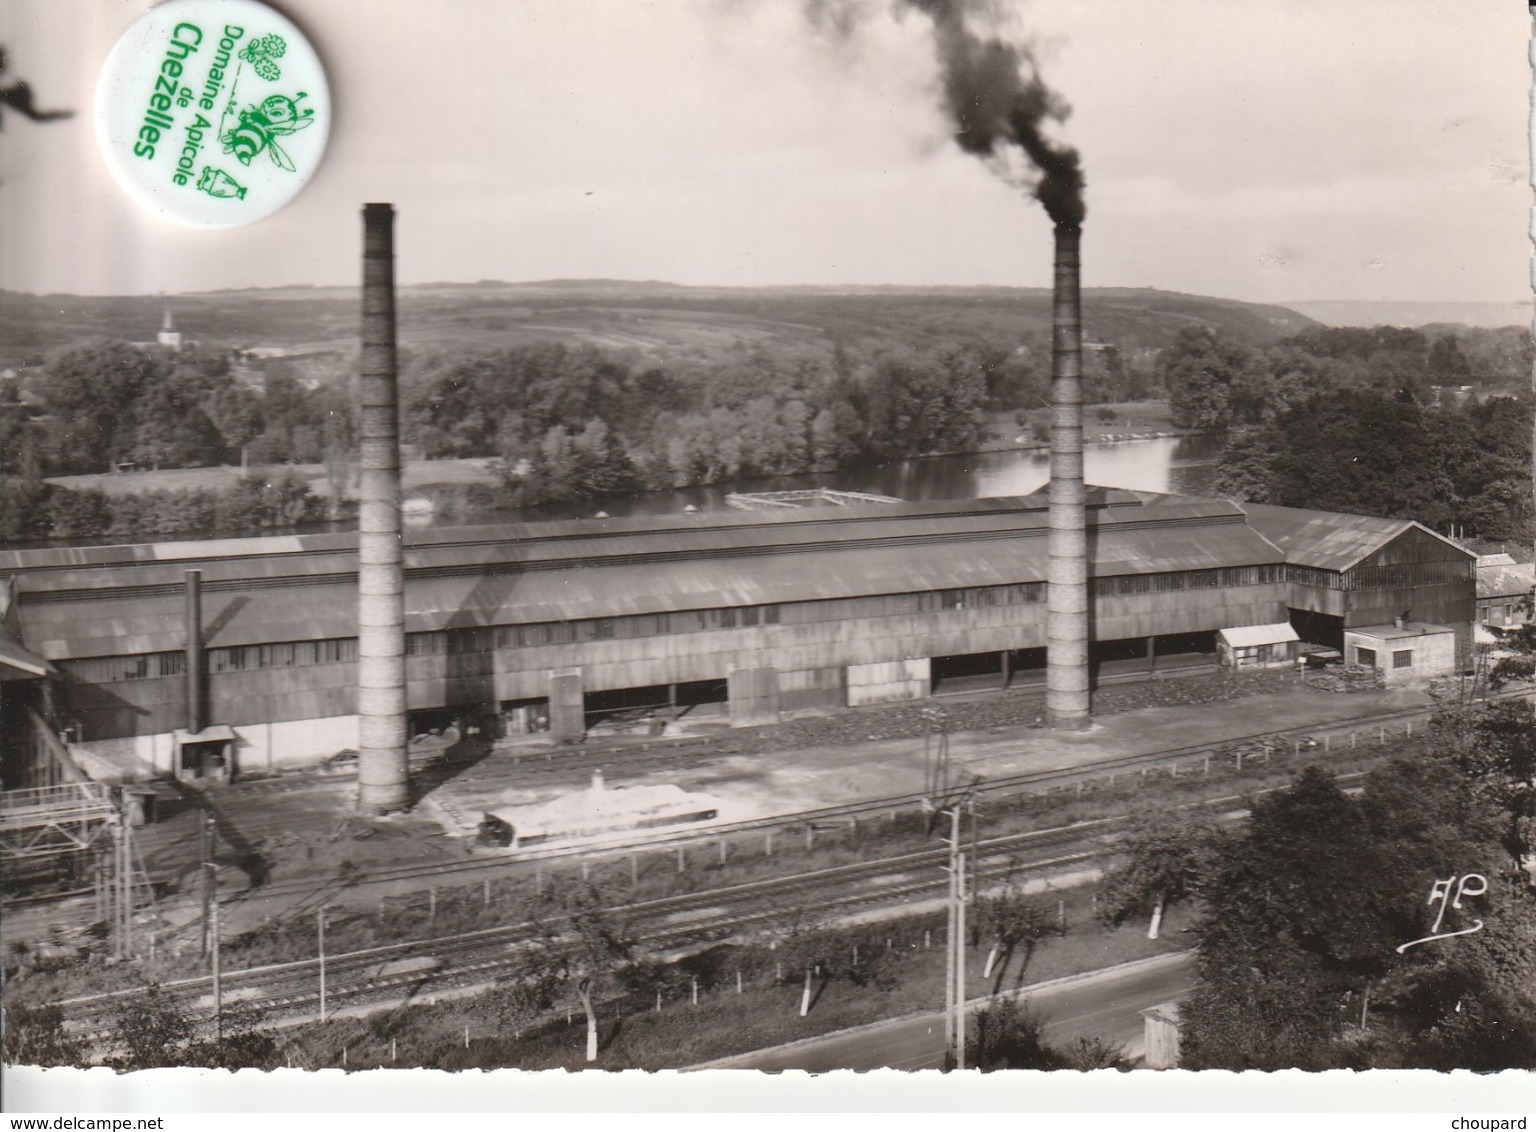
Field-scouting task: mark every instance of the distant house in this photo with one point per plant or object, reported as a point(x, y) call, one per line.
point(1504, 590)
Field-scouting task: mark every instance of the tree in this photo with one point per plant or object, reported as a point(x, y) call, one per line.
point(1006, 1034)
point(1447, 365)
point(89, 394)
point(1167, 858)
point(1246, 469)
point(1011, 920)
point(15, 429)
point(833, 954)
point(35, 1035)
point(582, 948)
point(151, 1031)
point(1313, 944)
point(1198, 370)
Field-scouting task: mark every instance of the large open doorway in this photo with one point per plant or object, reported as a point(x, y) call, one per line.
point(623, 707)
point(967, 672)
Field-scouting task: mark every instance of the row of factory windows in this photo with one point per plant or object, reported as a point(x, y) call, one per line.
point(1384, 577)
point(481, 639)
point(147, 666)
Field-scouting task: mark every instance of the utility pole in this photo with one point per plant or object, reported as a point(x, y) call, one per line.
point(952, 905)
point(954, 996)
point(211, 872)
point(320, 925)
point(205, 851)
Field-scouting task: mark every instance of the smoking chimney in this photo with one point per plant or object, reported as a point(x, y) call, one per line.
point(383, 772)
point(1066, 656)
point(197, 711)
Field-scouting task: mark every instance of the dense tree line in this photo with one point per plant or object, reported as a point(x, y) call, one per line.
point(105, 403)
point(569, 422)
point(1359, 451)
point(1215, 382)
point(1306, 908)
point(31, 509)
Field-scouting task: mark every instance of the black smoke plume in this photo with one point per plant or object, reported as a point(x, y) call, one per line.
point(993, 93)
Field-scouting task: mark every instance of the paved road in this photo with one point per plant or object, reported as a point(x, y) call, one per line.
point(1104, 1004)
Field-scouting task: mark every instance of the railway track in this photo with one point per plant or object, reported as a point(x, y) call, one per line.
point(1237, 753)
point(290, 991)
point(285, 990)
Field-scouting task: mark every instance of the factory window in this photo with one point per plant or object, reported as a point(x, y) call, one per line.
point(727, 619)
point(1308, 576)
point(1366, 657)
point(432, 644)
point(1402, 658)
point(1398, 575)
point(115, 669)
point(290, 654)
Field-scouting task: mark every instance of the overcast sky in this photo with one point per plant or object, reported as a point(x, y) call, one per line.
point(1264, 149)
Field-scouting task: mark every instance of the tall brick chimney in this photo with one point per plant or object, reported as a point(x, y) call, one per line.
point(383, 769)
point(1066, 657)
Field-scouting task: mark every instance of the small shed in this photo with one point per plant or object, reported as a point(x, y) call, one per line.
point(1160, 1029)
point(1258, 646)
point(1404, 652)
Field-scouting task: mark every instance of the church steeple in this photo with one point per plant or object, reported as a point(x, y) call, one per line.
point(169, 337)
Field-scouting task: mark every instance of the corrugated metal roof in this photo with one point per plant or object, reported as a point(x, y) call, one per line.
point(579, 537)
point(1327, 540)
point(1248, 636)
point(927, 554)
point(14, 656)
point(1515, 580)
point(580, 542)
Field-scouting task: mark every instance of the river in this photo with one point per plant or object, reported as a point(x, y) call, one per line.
point(1181, 465)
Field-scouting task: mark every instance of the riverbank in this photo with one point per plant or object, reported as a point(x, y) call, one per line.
point(1102, 424)
point(1132, 445)
point(1003, 432)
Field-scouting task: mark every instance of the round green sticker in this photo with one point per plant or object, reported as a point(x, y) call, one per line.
point(212, 113)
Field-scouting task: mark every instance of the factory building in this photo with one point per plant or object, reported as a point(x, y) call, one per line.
point(106, 664)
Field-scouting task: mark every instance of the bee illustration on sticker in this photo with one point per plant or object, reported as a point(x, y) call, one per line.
point(217, 183)
point(262, 54)
point(260, 127)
